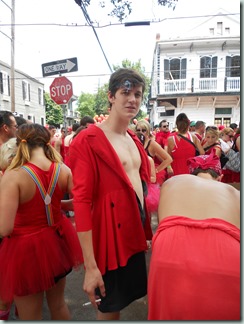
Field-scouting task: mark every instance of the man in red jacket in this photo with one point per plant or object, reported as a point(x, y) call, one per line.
point(110, 171)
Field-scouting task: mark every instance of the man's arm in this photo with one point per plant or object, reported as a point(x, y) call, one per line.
point(93, 278)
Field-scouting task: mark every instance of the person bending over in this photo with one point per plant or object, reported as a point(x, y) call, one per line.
point(195, 264)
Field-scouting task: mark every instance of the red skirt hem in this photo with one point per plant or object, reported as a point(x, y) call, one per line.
point(32, 263)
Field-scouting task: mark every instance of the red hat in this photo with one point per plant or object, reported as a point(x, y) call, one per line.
point(205, 162)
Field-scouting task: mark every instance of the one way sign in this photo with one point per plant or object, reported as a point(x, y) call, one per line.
point(59, 67)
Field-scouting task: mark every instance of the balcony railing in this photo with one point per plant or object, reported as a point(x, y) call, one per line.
point(232, 84)
point(198, 85)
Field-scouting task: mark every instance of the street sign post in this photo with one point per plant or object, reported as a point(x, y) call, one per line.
point(60, 67)
point(61, 90)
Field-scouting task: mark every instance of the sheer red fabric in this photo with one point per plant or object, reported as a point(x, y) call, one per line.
point(194, 270)
point(35, 255)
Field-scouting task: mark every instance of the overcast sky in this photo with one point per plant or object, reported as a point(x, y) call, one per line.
point(38, 44)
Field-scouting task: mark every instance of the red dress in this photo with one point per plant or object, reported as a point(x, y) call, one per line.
point(194, 270)
point(35, 255)
point(180, 153)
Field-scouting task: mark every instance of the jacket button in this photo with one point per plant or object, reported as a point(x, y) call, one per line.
point(119, 225)
point(112, 204)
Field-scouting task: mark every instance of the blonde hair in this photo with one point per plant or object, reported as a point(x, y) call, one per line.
point(146, 124)
point(7, 152)
point(212, 131)
point(226, 131)
point(29, 137)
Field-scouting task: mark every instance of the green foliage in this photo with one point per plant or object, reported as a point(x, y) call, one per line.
point(86, 105)
point(101, 100)
point(96, 104)
point(54, 113)
point(123, 8)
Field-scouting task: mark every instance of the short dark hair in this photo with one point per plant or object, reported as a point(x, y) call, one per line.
point(119, 78)
point(162, 121)
point(75, 126)
point(199, 123)
point(86, 120)
point(209, 171)
point(233, 125)
point(5, 117)
point(20, 120)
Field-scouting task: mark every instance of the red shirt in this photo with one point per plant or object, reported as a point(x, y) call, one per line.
point(161, 138)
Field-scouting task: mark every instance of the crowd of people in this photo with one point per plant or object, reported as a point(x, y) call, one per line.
point(113, 175)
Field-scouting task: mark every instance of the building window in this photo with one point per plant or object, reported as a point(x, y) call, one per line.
point(219, 28)
point(175, 69)
point(233, 66)
point(170, 112)
point(222, 121)
point(211, 31)
point(208, 67)
point(4, 83)
point(26, 90)
point(223, 111)
point(40, 96)
point(227, 30)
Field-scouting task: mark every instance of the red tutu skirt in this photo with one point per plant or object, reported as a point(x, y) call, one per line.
point(230, 176)
point(34, 262)
point(152, 198)
point(161, 176)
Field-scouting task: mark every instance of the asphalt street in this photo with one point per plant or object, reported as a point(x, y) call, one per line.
point(75, 297)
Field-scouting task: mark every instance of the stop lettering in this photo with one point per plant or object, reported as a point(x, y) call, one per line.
point(61, 90)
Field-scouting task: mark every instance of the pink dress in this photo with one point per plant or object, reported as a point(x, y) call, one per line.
point(36, 255)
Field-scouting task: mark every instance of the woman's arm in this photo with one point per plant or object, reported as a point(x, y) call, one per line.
point(161, 154)
point(198, 144)
point(153, 177)
point(9, 201)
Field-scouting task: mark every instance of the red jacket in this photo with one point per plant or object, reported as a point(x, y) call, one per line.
point(104, 199)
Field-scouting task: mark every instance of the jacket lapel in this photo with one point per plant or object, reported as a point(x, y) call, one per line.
point(105, 151)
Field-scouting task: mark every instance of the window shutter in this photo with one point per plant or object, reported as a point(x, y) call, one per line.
point(1, 82)
point(23, 90)
point(29, 91)
point(8, 86)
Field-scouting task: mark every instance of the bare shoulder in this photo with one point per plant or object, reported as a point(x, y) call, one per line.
point(199, 198)
point(65, 169)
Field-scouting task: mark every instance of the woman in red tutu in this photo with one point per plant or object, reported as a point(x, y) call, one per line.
point(40, 246)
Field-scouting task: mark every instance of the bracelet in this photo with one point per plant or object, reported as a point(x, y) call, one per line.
point(169, 167)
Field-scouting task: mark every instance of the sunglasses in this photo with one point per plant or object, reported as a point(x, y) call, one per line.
point(230, 135)
point(141, 130)
point(165, 126)
point(211, 127)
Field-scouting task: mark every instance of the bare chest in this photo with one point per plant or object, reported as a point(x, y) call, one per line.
point(127, 152)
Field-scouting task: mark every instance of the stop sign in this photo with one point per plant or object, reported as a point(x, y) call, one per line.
point(61, 90)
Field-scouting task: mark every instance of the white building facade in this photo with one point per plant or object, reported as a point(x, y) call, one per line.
point(198, 74)
point(29, 95)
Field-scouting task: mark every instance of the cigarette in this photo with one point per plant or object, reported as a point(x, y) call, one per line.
point(89, 303)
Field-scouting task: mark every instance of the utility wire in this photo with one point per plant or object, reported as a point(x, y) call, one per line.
point(91, 24)
point(85, 13)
